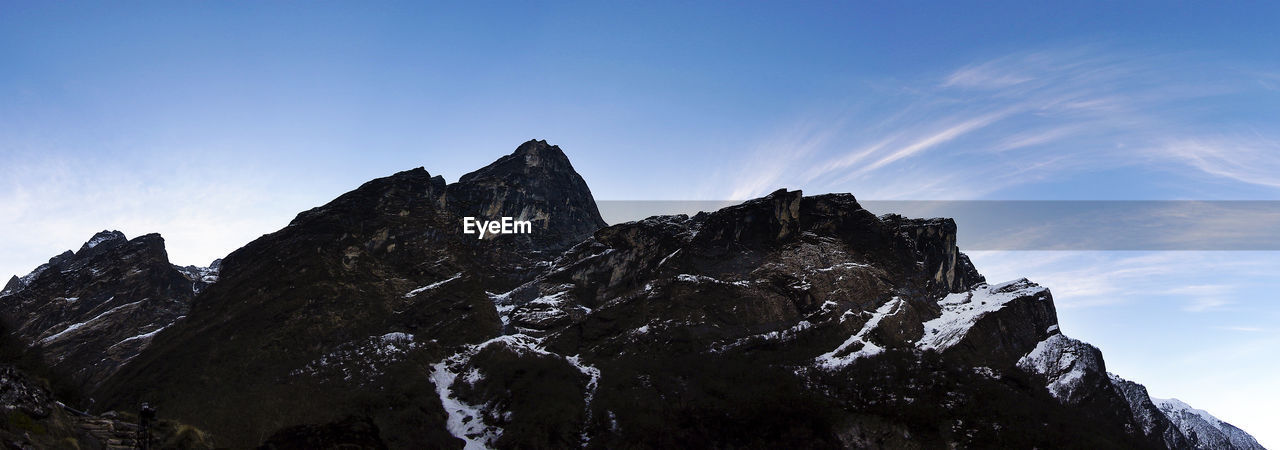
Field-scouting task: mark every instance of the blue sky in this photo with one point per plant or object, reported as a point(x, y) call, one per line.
point(214, 123)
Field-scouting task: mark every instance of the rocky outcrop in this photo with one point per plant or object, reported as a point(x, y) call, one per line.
point(1072, 370)
point(202, 277)
point(535, 183)
point(1151, 419)
point(934, 240)
point(13, 285)
point(91, 310)
point(1202, 430)
point(992, 326)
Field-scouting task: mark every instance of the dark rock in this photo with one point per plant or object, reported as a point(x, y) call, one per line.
point(90, 311)
point(1153, 423)
point(354, 433)
point(386, 262)
point(14, 284)
point(535, 183)
point(999, 338)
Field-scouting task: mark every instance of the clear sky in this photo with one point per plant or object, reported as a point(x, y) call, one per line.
point(215, 122)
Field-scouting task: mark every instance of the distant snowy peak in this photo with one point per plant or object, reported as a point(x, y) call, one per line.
point(1074, 371)
point(92, 310)
point(1175, 405)
point(1202, 429)
point(104, 237)
point(201, 277)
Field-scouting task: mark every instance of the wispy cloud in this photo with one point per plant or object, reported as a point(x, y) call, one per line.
point(1253, 159)
point(770, 161)
point(1190, 281)
point(1021, 119)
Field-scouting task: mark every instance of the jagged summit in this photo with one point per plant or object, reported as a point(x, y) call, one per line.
point(13, 284)
point(531, 156)
point(1202, 429)
point(87, 312)
point(103, 237)
point(386, 262)
point(535, 183)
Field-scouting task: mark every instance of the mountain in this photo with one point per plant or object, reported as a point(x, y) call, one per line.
point(377, 321)
point(89, 311)
point(1201, 429)
point(339, 313)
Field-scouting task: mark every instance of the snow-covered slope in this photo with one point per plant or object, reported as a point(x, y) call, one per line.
point(961, 311)
point(1070, 367)
point(1074, 371)
point(1202, 429)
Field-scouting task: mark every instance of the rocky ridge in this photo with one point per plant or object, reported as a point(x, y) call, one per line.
point(786, 320)
point(89, 311)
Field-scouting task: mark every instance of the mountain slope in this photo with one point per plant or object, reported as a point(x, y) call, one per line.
point(1203, 430)
point(340, 313)
point(783, 321)
point(89, 311)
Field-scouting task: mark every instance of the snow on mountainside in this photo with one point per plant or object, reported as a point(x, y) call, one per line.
point(201, 277)
point(961, 311)
point(90, 311)
point(1203, 430)
point(1074, 373)
point(1065, 363)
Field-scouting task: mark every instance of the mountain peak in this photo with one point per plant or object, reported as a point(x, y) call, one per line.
point(13, 284)
point(539, 147)
point(110, 237)
point(534, 158)
point(536, 182)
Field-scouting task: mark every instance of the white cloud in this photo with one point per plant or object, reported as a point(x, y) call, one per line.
point(1067, 111)
point(1252, 159)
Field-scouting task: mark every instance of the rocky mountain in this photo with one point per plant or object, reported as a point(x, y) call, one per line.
point(375, 321)
point(1201, 429)
point(89, 311)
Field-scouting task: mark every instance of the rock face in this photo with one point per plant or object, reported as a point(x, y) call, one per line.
point(786, 321)
point(89, 311)
point(1148, 416)
point(340, 313)
point(1202, 430)
point(535, 183)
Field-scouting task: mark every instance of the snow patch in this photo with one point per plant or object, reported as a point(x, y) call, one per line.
point(75, 326)
point(466, 421)
point(1063, 362)
point(1173, 404)
point(838, 358)
point(688, 278)
point(664, 260)
point(431, 286)
point(777, 335)
point(962, 310)
point(843, 266)
point(363, 358)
